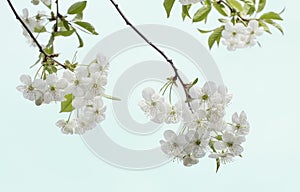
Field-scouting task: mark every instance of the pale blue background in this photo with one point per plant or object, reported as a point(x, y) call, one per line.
point(35, 156)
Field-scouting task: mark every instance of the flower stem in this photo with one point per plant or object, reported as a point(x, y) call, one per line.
point(177, 76)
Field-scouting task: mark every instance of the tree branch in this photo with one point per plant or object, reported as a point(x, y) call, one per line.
point(41, 50)
point(177, 76)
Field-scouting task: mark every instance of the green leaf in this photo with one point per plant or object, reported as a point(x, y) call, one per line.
point(65, 33)
point(185, 11)
point(49, 50)
point(222, 20)
point(87, 26)
point(195, 81)
point(249, 9)
point(79, 39)
point(77, 8)
point(78, 17)
point(218, 164)
point(235, 4)
point(265, 26)
point(220, 8)
point(168, 4)
point(215, 36)
point(111, 97)
point(270, 15)
point(276, 25)
point(40, 30)
point(65, 24)
point(201, 14)
point(204, 31)
point(66, 106)
point(261, 5)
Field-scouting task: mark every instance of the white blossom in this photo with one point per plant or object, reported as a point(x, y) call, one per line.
point(55, 90)
point(153, 105)
point(96, 110)
point(198, 142)
point(32, 90)
point(174, 144)
point(225, 157)
point(241, 36)
point(240, 123)
point(67, 127)
point(230, 142)
point(173, 113)
point(78, 81)
point(101, 65)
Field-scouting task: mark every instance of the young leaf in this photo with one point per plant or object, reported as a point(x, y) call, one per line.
point(215, 36)
point(271, 15)
point(235, 4)
point(168, 4)
point(201, 14)
point(222, 20)
point(79, 39)
point(185, 11)
point(65, 33)
point(276, 25)
point(77, 8)
point(204, 31)
point(65, 24)
point(195, 81)
point(66, 106)
point(220, 8)
point(218, 164)
point(111, 97)
point(261, 5)
point(265, 26)
point(40, 30)
point(87, 26)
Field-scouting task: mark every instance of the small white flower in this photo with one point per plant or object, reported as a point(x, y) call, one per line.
point(173, 113)
point(205, 93)
point(253, 29)
point(232, 142)
point(67, 127)
point(174, 144)
point(197, 120)
point(32, 90)
point(84, 124)
point(233, 31)
point(188, 2)
point(225, 157)
point(96, 111)
point(29, 21)
point(101, 65)
point(96, 85)
point(215, 112)
point(78, 81)
point(198, 142)
point(55, 89)
point(240, 123)
point(153, 105)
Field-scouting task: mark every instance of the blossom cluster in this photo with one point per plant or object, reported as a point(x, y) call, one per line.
point(204, 128)
point(35, 24)
point(82, 90)
point(241, 36)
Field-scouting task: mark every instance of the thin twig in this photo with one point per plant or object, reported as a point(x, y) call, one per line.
point(41, 50)
point(177, 76)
